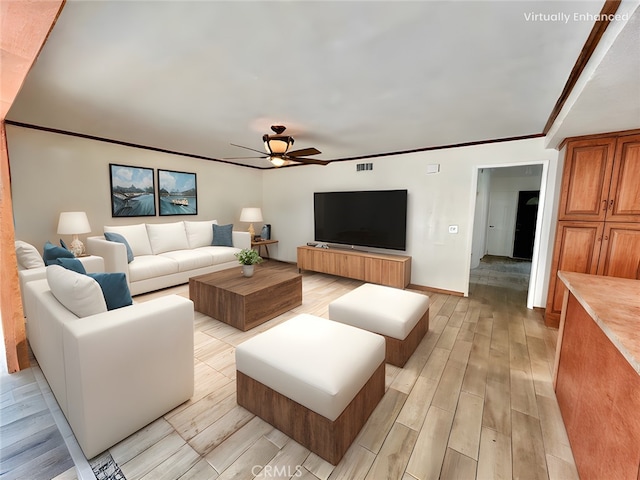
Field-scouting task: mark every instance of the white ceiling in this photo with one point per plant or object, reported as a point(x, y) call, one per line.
point(351, 78)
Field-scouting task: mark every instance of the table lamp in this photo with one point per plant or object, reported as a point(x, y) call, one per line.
point(250, 215)
point(74, 223)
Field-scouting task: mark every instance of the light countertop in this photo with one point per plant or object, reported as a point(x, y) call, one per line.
point(614, 304)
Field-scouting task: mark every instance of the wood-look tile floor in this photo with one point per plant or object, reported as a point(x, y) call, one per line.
point(474, 401)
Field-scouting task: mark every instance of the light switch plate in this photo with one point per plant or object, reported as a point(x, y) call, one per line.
point(453, 228)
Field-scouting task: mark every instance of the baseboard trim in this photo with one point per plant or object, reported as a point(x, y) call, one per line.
point(413, 286)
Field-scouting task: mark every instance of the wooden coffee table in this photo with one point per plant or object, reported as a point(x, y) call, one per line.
point(246, 302)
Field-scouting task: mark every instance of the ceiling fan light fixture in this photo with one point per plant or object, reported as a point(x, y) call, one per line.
point(277, 144)
point(277, 161)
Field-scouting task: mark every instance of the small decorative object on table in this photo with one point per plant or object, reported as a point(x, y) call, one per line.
point(248, 258)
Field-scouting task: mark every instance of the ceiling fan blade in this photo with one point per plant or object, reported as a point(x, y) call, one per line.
point(309, 160)
point(303, 152)
point(241, 158)
point(247, 148)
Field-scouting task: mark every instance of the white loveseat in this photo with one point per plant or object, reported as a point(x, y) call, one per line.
point(112, 372)
point(166, 254)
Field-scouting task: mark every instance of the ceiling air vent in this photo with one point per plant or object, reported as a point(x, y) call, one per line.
point(361, 167)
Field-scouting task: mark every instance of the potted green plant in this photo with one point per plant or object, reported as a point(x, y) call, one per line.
point(248, 257)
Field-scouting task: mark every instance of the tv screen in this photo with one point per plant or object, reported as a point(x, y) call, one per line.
point(375, 218)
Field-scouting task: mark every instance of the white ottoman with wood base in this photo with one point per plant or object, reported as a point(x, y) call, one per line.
point(402, 317)
point(313, 379)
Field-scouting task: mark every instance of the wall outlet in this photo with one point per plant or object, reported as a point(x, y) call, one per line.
point(453, 228)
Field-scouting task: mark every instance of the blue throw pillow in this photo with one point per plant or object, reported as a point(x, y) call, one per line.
point(52, 252)
point(114, 288)
point(223, 235)
point(70, 264)
point(116, 237)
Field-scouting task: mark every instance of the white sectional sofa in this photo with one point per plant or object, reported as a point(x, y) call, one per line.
point(111, 371)
point(166, 254)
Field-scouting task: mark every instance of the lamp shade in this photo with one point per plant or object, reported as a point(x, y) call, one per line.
point(251, 214)
point(73, 223)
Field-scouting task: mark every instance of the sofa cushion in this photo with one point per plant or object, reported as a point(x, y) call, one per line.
point(151, 266)
point(116, 237)
point(199, 234)
point(80, 294)
point(136, 236)
point(190, 259)
point(223, 235)
point(167, 237)
point(52, 252)
point(28, 256)
point(114, 289)
point(221, 254)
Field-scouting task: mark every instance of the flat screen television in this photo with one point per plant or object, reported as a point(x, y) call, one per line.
point(374, 218)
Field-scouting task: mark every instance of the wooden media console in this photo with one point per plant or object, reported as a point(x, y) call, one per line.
point(383, 269)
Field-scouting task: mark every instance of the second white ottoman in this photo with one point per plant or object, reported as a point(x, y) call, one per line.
point(401, 316)
point(315, 380)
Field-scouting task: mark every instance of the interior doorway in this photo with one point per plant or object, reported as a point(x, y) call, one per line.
point(526, 216)
point(504, 230)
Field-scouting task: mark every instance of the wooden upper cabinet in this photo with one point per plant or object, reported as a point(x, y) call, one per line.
point(624, 195)
point(620, 254)
point(586, 179)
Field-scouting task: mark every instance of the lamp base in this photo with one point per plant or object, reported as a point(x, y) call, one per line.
point(76, 247)
point(252, 232)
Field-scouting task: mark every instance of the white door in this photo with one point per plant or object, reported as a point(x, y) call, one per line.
point(501, 218)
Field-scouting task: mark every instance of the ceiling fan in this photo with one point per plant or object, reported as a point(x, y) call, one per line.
point(278, 153)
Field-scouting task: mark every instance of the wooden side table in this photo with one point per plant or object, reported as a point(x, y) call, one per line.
point(261, 243)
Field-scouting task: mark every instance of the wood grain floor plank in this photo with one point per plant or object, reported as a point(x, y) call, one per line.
point(374, 432)
point(457, 466)
point(467, 425)
point(529, 459)
point(154, 456)
point(417, 404)
point(494, 459)
point(354, 465)
point(391, 461)
point(428, 454)
point(227, 452)
point(248, 464)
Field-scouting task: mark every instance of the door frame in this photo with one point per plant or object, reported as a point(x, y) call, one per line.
point(535, 259)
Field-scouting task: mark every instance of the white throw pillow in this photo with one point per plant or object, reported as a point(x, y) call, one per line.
point(136, 236)
point(167, 237)
point(200, 234)
point(78, 293)
point(27, 255)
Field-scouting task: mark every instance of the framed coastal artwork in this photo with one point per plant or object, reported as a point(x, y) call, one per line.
point(177, 193)
point(132, 191)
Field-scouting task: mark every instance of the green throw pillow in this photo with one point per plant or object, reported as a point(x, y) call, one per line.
point(114, 288)
point(223, 235)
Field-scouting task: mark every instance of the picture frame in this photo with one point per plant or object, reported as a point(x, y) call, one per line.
point(177, 193)
point(132, 191)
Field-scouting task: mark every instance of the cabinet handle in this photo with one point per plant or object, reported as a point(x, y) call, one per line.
point(606, 238)
point(604, 205)
point(611, 205)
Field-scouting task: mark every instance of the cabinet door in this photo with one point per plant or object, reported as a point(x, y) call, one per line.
point(620, 255)
point(624, 195)
point(586, 179)
point(576, 249)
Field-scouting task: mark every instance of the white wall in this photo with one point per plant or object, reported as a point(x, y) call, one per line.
point(504, 186)
point(480, 218)
point(440, 260)
point(52, 173)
